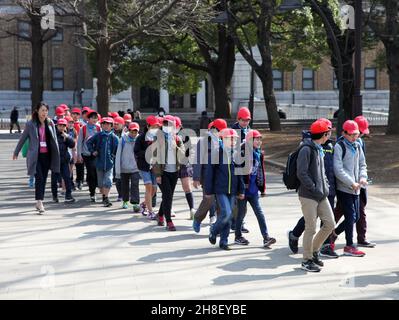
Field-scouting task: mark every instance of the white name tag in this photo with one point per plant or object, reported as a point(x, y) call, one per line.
point(43, 144)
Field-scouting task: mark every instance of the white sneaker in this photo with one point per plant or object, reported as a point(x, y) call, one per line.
point(40, 207)
point(212, 220)
point(192, 213)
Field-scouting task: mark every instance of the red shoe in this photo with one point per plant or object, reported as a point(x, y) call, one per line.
point(353, 252)
point(171, 226)
point(161, 221)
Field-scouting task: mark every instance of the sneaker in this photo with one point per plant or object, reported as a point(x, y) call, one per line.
point(107, 203)
point(143, 209)
point(152, 215)
point(192, 213)
point(70, 200)
point(136, 208)
point(103, 199)
point(40, 209)
point(317, 260)
point(55, 200)
point(241, 241)
point(353, 252)
point(268, 241)
point(212, 237)
point(170, 226)
point(244, 229)
point(93, 199)
point(293, 242)
point(310, 266)
point(125, 205)
point(161, 221)
point(212, 220)
point(196, 226)
point(366, 244)
point(224, 247)
point(328, 252)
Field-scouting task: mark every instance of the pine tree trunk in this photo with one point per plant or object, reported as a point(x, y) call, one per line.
point(37, 80)
point(392, 53)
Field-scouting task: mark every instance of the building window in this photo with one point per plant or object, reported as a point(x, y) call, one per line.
point(59, 36)
point(278, 83)
point(307, 79)
point(370, 78)
point(23, 30)
point(57, 81)
point(24, 80)
point(335, 81)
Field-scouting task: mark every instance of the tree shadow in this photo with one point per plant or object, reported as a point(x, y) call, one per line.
point(377, 279)
point(167, 239)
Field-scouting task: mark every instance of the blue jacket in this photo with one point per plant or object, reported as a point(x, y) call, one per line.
point(106, 144)
point(206, 143)
point(220, 178)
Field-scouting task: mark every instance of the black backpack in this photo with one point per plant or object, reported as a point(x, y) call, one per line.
point(290, 178)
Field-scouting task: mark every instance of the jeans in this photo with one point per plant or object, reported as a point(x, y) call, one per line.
point(300, 226)
point(91, 173)
point(350, 207)
point(167, 186)
point(130, 182)
point(104, 178)
point(42, 168)
point(223, 223)
point(66, 176)
point(242, 206)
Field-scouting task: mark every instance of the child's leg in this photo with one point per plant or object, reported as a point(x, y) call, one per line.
point(223, 222)
point(187, 190)
point(254, 202)
point(125, 179)
point(241, 211)
point(134, 188)
point(361, 225)
point(148, 195)
point(66, 176)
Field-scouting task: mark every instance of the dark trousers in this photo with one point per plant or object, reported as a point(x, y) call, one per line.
point(300, 226)
point(65, 174)
point(349, 204)
point(12, 126)
point(130, 187)
point(80, 171)
point(361, 224)
point(91, 173)
point(168, 185)
point(42, 168)
point(207, 204)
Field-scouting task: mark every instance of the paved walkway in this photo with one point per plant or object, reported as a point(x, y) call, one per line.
point(85, 251)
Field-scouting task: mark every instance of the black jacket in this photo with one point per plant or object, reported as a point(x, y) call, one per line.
point(140, 148)
point(63, 145)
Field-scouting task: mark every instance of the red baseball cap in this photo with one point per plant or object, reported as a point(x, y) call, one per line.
point(152, 121)
point(59, 111)
point(86, 109)
point(319, 126)
point(134, 126)
point(244, 114)
point(76, 110)
point(351, 127)
point(178, 122)
point(210, 125)
point(228, 133)
point(127, 117)
point(329, 123)
point(107, 120)
point(90, 112)
point(113, 114)
point(69, 119)
point(63, 106)
point(363, 124)
point(62, 122)
point(252, 134)
point(219, 124)
point(119, 120)
point(169, 118)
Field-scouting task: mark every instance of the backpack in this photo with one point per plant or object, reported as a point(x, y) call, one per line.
point(84, 128)
point(290, 178)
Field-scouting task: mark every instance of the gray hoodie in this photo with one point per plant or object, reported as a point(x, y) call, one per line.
point(350, 169)
point(311, 172)
point(125, 161)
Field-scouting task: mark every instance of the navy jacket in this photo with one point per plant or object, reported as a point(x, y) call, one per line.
point(63, 145)
point(220, 178)
point(243, 134)
point(106, 145)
